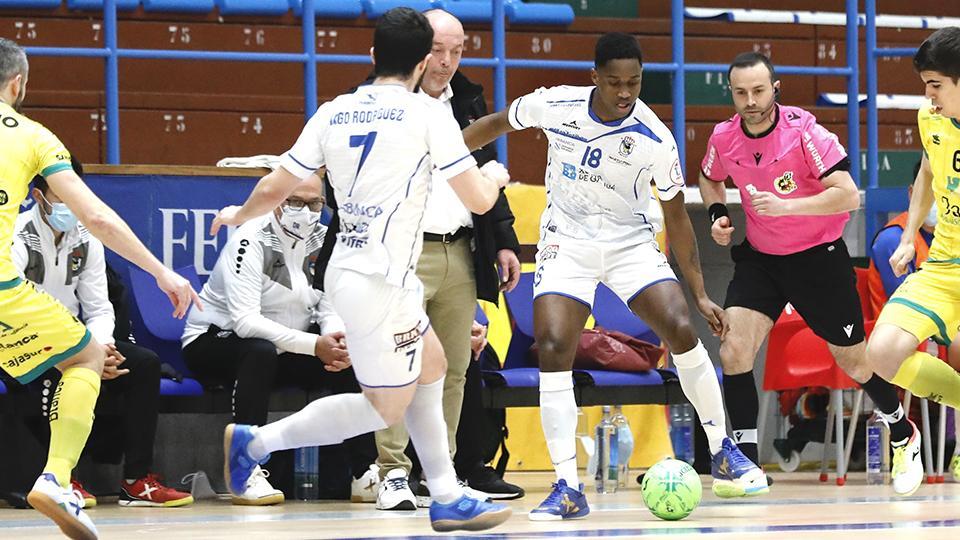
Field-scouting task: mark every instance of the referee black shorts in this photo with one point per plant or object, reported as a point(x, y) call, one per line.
point(819, 282)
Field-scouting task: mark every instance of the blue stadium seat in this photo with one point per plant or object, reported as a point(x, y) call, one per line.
point(188, 387)
point(253, 7)
point(179, 6)
point(30, 4)
point(538, 13)
point(161, 332)
point(97, 5)
point(611, 313)
point(334, 9)
point(376, 8)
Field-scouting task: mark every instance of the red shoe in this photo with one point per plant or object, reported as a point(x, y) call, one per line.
point(89, 501)
point(148, 491)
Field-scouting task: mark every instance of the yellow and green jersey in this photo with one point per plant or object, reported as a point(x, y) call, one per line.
point(940, 136)
point(26, 150)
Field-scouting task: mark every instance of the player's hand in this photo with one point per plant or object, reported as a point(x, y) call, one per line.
point(722, 231)
point(111, 366)
point(494, 170)
point(229, 215)
point(714, 314)
point(902, 258)
point(331, 349)
point(179, 291)
point(509, 269)
point(478, 339)
point(767, 204)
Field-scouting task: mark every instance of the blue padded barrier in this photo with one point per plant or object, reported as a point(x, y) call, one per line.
point(253, 7)
point(539, 13)
point(179, 6)
point(30, 4)
point(97, 5)
point(376, 8)
point(334, 9)
point(471, 11)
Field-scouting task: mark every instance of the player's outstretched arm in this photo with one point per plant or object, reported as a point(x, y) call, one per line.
point(714, 195)
point(478, 189)
point(683, 244)
point(269, 192)
point(920, 203)
point(110, 229)
point(486, 129)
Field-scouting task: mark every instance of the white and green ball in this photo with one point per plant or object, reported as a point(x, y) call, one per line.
point(671, 489)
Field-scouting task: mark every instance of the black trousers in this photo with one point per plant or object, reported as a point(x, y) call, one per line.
point(126, 414)
point(253, 368)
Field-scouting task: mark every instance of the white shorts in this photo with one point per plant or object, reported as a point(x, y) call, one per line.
point(383, 324)
point(573, 268)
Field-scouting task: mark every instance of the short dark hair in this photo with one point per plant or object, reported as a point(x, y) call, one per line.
point(750, 59)
point(616, 46)
point(940, 52)
point(401, 39)
point(40, 182)
point(13, 60)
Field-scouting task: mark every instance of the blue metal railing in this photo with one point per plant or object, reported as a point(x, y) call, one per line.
point(879, 201)
point(499, 62)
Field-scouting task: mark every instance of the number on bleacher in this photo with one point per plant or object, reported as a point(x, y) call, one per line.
point(247, 126)
point(541, 45)
point(179, 34)
point(763, 48)
point(327, 39)
point(98, 122)
point(25, 30)
point(175, 123)
point(903, 137)
point(96, 30)
point(473, 41)
point(254, 38)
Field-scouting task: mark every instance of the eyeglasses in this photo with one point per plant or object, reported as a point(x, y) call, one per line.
point(315, 205)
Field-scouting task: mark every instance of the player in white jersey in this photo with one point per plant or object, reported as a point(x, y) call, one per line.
point(606, 148)
point(379, 146)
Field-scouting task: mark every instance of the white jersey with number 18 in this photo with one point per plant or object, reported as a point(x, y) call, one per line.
point(599, 173)
point(379, 146)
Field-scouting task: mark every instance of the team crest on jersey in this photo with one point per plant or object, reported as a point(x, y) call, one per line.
point(76, 260)
point(785, 184)
point(570, 171)
point(626, 146)
point(4, 198)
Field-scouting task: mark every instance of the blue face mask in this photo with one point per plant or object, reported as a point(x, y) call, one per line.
point(60, 217)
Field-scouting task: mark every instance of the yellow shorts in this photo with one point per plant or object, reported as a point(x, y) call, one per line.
point(927, 303)
point(36, 331)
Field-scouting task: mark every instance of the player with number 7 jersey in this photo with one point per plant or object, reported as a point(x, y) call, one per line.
point(379, 147)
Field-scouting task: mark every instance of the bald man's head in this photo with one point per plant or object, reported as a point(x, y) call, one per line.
point(447, 50)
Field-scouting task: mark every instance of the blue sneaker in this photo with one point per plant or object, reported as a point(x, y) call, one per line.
point(238, 465)
point(466, 514)
point(563, 502)
point(734, 475)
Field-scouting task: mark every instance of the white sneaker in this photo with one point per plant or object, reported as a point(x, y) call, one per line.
point(394, 492)
point(63, 506)
point(907, 470)
point(365, 488)
point(259, 492)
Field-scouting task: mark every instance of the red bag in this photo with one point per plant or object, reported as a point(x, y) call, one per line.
point(610, 350)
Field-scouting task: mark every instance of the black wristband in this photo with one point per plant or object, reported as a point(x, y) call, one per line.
point(717, 210)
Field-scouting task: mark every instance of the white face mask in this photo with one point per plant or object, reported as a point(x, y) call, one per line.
point(931, 219)
point(300, 222)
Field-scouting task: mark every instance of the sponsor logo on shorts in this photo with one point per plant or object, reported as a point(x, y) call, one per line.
point(785, 184)
point(402, 340)
point(16, 361)
point(6, 330)
point(549, 252)
point(848, 329)
point(20, 342)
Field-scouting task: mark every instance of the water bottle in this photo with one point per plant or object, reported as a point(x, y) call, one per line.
point(606, 452)
point(878, 450)
point(681, 431)
point(306, 473)
point(625, 445)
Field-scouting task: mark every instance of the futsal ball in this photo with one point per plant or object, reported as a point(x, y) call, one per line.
point(671, 489)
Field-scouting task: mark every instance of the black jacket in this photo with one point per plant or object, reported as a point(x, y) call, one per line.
point(492, 231)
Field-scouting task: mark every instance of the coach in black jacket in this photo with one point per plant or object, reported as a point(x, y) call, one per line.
point(465, 257)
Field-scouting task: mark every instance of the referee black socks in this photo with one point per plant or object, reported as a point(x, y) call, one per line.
point(740, 397)
point(884, 396)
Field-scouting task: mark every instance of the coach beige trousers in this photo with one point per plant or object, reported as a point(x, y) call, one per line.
point(450, 299)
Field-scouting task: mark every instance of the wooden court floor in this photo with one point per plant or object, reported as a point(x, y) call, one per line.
point(797, 507)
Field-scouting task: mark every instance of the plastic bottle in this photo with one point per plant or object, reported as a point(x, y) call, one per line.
point(878, 450)
point(681, 431)
point(607, 448)
point(625, 445)
point(306, 473)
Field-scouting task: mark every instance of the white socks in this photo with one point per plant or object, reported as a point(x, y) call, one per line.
point(325, 421)
point(428, 431)
point(698, 379)
point(558, 414)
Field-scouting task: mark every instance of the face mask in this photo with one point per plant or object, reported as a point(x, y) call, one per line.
point(298, 222)
point(60, 217)
point(931, 219)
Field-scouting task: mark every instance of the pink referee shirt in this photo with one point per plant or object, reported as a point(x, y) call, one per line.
point(788, 161)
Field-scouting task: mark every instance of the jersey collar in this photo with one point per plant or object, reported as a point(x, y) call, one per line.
point(612, 123)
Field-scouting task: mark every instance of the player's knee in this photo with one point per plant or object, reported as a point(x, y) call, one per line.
point(391, 404)
point(682, 335)
point(735, 356)
point(556, 353)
